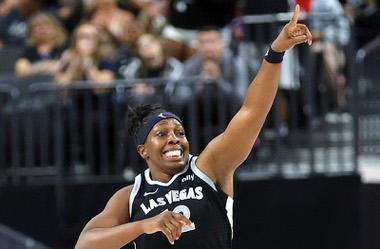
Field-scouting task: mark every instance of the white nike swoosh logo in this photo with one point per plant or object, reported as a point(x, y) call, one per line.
point(161, 115)
point(150, 193)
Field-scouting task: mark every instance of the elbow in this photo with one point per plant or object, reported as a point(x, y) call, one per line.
point(90, 239)
point(79, 246)
point(84, 243)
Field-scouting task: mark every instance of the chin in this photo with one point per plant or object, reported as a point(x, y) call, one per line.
point(177, 168)
point(177, 164)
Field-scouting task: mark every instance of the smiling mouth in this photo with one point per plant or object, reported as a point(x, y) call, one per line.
point(173, 153)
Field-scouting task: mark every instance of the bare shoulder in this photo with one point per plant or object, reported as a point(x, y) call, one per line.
point(125, 190)
point(121, 196)
point(116, 211)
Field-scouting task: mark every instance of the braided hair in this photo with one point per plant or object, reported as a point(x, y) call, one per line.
point(137, 116)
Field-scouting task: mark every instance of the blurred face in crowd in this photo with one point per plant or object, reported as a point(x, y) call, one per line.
point(42, 29)
point(211, 45)
point(150, 51)
point(87, 39)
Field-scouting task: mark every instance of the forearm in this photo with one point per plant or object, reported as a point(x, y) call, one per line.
point(26, 68)
point(113, 237)
point(235, 143)
point(262, 91)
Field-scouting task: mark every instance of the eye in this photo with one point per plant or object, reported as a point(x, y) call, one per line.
point(181, 134)
point(161, 134)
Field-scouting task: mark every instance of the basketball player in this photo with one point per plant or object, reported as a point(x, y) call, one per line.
point(185, 201)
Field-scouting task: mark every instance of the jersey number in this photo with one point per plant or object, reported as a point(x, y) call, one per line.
point(186, 212)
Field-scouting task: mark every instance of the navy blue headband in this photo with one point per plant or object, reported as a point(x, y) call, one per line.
point(140, 137)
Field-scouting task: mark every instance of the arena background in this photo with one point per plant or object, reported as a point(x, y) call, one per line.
point(311, 182)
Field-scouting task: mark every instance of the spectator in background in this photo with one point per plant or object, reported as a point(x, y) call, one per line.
point(367, 20)
point(107, 14)
point(6, 6)
point(86, 59)
point(45, 41)
point(215, 60)
point(332, 32)
point(187, 17)
point(150, 62)
point(223, 75)
point(13, 25)
point(330, 22)
point(153, 17)
point(85, 64)
point(253, 42)
point(180, 25)
point(70, 12)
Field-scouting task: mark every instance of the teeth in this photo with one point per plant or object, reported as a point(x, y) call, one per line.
point(173, 153)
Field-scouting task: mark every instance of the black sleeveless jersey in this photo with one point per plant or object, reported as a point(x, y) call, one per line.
point(195, 195)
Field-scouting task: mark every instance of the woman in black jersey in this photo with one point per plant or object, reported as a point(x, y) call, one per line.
point(184, 201)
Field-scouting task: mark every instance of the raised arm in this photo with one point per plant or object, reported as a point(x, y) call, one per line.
point(227, 151)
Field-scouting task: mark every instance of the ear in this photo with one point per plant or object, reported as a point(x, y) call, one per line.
point(142, 151)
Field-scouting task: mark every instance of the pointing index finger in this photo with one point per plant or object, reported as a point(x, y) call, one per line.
point(295, 15)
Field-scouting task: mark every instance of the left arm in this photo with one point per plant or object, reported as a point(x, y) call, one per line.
point(24, 67)
point(227, 151)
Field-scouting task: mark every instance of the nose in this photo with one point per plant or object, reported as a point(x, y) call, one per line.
point(173, 138)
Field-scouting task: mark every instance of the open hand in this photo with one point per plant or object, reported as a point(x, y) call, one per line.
point(292, 34)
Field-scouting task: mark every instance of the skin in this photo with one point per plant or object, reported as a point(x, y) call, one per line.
point(150, 51)
point(166, 135)
point(6, 6)
point(211, 47)
point(77, 57)
point(43, 33)
point(107, 12)
point(219, 160)
point(79, 61)
point(26, 8)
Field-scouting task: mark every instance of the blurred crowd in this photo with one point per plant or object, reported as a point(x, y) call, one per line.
point(69, 42)
point(104, 40)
